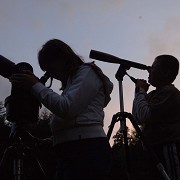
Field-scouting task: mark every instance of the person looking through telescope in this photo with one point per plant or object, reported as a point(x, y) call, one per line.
point(159, 112)
point(80, 143)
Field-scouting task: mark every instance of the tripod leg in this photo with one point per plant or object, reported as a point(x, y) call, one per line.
point(18, 169)
point(5, 166)
point(40, 168)
point(114, 120)
point(120, 117)
point(36, 162)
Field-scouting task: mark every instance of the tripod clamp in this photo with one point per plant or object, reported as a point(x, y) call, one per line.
point(120, 116)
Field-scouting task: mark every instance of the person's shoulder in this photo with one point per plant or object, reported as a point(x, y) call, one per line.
point(165, 90)
point(84, 68)
point(85, 72)
point(170, 90)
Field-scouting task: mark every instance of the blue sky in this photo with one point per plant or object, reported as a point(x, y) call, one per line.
point(133, 30)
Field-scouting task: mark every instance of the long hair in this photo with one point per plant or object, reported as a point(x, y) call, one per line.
point(56, 49)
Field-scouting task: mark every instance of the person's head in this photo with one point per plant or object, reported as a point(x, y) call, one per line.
point(163, 71)
point(58, 59)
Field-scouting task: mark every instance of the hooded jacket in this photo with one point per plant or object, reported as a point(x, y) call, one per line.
point(78, 111)
point(159, 113)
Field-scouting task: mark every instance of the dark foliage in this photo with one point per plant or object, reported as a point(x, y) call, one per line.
point(134, 163)
point(31, 154)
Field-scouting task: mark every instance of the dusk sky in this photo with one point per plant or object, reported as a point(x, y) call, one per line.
point(133, 30)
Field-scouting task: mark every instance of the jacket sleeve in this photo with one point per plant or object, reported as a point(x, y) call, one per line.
point(141, 110)
point(75, 98)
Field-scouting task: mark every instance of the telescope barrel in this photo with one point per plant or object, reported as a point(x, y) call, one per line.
point(113, 59)
point(6, 67)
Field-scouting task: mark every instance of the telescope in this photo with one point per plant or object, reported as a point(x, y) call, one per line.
point(126, 64)
point(21, 106)
point(113, 59)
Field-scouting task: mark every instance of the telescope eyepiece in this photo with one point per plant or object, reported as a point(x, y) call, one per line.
point(45, 78)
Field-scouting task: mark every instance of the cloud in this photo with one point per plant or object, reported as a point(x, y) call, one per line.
point(166, 41)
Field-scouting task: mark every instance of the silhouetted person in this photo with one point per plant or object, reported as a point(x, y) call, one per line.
point(81, 145)
point(159, 112)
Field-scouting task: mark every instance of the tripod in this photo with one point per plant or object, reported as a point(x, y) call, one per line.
point(121, 117)
point(14, 157)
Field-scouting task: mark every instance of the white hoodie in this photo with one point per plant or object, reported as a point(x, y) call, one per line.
point(78, 111)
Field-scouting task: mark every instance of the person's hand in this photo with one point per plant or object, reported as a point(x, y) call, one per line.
point(25, 80)
point(141, 83)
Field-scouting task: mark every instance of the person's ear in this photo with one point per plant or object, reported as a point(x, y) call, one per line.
point(168, 76)
point(168, 73)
